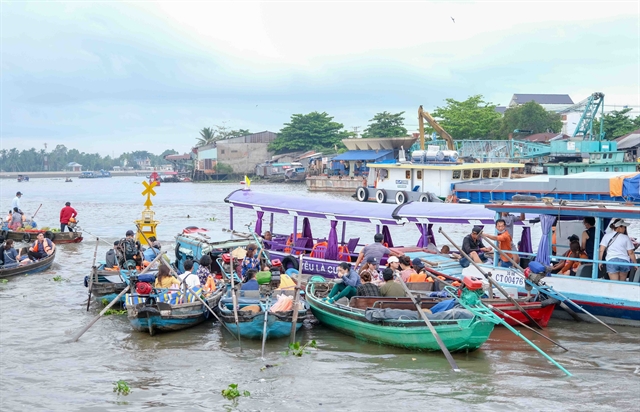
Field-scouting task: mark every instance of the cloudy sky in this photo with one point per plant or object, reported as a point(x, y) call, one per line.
point(111, 77)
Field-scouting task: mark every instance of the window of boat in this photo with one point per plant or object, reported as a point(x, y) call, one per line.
point(486, 173)
point(476, 173)
point(505, 173)
point(466, 174)
point(495, 172)
point(456, 174)
point(407, 174)
point(419, 174)
point(384, 173)
point(616, 169)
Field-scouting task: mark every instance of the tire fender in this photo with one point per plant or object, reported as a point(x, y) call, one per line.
point(424, 198)
point(49, 235)
point(381, 196)
point(362, 194)
point(290, 262)
point(26, 237)
point(401, 197)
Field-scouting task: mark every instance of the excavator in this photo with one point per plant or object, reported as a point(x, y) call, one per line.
point(422, 115)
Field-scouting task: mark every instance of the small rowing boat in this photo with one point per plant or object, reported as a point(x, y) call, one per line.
point(34, 267)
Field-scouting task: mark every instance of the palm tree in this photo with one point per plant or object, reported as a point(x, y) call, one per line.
point(207, 137)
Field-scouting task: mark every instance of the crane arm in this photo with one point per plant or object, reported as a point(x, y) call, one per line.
point(433, 123)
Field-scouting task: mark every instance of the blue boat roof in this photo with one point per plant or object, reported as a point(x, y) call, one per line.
point(363, 155)
point(575, 209)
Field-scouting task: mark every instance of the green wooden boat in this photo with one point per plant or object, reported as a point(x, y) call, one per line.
point(457, 334)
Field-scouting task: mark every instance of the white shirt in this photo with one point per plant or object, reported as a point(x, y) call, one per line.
point(192, 280)
point(619, 248)
point(15, 203)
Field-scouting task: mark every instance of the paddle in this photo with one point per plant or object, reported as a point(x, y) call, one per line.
point(443, 348)
point(94, 320)
point(565, 307)
point(294, 317)
point(94, 272)
point(234, 299)
point(526, 326)
point(491, 281)
point(38, 209)
point(264, 324)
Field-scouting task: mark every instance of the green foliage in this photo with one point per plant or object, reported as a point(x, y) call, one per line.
point(104, 301)
point(59, 278)
point(212, 219)
point(232, 392)
point(115, 312)
point(530, 116)
point(210, 135)
point(616, 124)
point(223, 168)
point(3, 281)
point(297, 349)
point(470, 119)
point(309, 131)
point(386, 125)
point(121, 388)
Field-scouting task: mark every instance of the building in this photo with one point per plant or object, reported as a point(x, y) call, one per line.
point(74, 167)
point(245, 152)
point(630, 143)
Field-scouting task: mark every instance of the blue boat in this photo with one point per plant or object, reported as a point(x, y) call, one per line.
point(251, 313)
point(93, 175)
point(162, 312)
point(34, 267)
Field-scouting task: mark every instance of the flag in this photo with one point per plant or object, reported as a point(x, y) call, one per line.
point(247, 181)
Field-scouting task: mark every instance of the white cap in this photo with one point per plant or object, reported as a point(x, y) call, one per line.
point(393, 259)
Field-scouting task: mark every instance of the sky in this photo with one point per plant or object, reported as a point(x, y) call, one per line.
point(111, 77)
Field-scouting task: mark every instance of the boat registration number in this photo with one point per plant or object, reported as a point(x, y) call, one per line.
point(509, 278)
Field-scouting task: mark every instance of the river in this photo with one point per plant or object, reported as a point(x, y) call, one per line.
point(41, 371)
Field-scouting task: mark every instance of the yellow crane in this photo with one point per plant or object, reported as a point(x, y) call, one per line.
point(432, 122)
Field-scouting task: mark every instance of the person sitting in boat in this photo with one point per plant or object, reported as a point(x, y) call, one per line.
point(269, 238)
point(446, 250)
point(391, 288)
point(556, 268)
point(251, 283)
point(346, 285)
point(111, 259)
point(66, 214)
point(589, 236)
point(16, 219)
point(10, 254)
point(164, 278)
point(189, 279)
point(570, 267)
point(472, 245)
point(250, 261)
point(394, 263)
point(419, 273)
point(204, 269)
point(375, 249)
point(405, 268)
point(130, 249)
point(619, 249)
point(505, 243)
point(41, 248)
point(370, 268)
point(367, 288)
point(153, 250)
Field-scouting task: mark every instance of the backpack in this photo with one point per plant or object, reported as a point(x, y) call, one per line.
point(127, 248)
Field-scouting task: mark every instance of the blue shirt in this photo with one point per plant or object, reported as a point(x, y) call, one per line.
point(251, 285)
point(10, 256)
point(150, 254)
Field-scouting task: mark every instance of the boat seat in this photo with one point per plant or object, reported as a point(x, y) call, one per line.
point(352, 244)
point(319, 252)
point(300, 245)
point(634, 275)
point(584, 271)
point(420, 286)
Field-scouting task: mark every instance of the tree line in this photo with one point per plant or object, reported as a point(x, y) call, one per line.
point(33, 160)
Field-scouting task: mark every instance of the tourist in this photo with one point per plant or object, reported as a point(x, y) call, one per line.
point(130, 249)
point(370, 268)
point(111, 259)
point(268, 238)
point(204, 269)
point(23, 257)
point(472, 245)
point(419, 273)
point(251, 283)
point(153, 250)
point(66, 213)
point(619, 249)
point(15, 203)
point(405, 268)
point(346, 285)
point(509, 220)
point(41, 248)
point(375, 249)
point(191, 280)
point(558, 266)
point(250, 261)
point(390, 288)
point(10, 254)
point(589, 236)
point(570, 266)
point(505, 243)
point(446, 250)
point(394, 263)
point(16, 219)
point(367, 288)
point(164, 278)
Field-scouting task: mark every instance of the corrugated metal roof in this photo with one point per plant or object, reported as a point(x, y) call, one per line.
point(363, 155)
point(542, 98)
point(629, 140)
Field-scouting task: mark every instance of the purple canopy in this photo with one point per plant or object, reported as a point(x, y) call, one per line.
point(386, 236)
point(332, 242)
point(525, 245)
point(429, 238)
point(258, 228)
point(306, 232)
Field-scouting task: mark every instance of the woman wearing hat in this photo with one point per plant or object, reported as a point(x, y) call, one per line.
point(619, 249)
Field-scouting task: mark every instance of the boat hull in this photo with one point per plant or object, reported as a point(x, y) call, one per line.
point(58, 237)
point(35, 267)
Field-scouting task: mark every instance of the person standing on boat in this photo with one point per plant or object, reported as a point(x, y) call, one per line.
point(66, 213)
point(152, 251)
point(15, 203)
point(347, 284)
point(505, 243)
point(375, 249)
point(589, 236)
point(472, 245)
point(509, 220)
point(41, 248)
point(619, 249)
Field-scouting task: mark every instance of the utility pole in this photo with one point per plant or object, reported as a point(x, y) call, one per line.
point(356, 131)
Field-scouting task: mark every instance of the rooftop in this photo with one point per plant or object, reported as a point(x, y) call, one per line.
point(518, 99)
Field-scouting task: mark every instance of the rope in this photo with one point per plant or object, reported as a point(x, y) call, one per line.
point(98, 238)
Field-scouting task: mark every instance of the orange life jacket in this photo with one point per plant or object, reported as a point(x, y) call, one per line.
point(343, 254)
point(47, 247)
point(325, 244)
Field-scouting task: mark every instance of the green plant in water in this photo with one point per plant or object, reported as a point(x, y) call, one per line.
point(115, 312)
point(58, 278)
point(105, 301)
point(298, 350)
point(212, 219)
point(4, 281)
point(232, 392)
point(121, 388)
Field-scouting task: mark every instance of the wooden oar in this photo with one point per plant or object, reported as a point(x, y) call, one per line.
point(294, 317)
point(34, 215)
point(234, 302)
point(94, 272)
point(491, 281)
point(443, 348)
point(565, 307)
point(493, 308)
point(94, 320)
point(264, 325)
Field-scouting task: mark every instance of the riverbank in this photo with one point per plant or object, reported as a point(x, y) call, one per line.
point(40, 175)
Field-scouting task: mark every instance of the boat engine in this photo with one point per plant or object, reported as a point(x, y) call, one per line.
point(73, 222)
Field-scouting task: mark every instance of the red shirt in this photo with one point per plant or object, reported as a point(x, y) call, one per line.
point(67, 213)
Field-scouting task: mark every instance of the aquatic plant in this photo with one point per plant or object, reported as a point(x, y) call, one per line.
point(232, 392)
point(115, 312)
point(59, 278)
point(297, 349)
point(265, 367)
point(4, 281)
point(212, 219)
point(104, 301)
point(121, 388)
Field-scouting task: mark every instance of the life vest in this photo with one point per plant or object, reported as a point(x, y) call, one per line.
point(290, 242)
point(343, 254)
point(47, 246)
